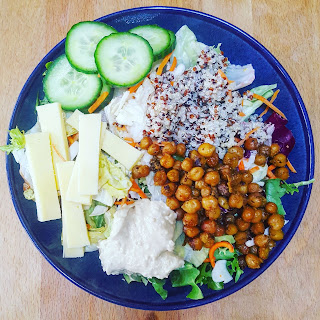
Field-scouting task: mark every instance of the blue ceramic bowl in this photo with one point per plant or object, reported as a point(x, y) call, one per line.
point(241, 49)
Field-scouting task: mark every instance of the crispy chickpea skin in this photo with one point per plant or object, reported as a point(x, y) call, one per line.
point(261, 240)
point(209, 202)
point(169, 148)
point(257, 216)
point(241, 237)
point(253, 262)
point(247, 214)
point(282, 173)
point(274, 149)
point(276, 221)
point(213, 160)
point(187, 164)
point(185, 180)
point(190, 219)
point(255, 200)
point(276, 235)
point(154, 149)
point(231, 159)
point(212, 178)
point(206, 192)
point(251, 144)
point(169, 189)
point(173, 203)
point(253, 187)
point(181, 149)
point(209, 226)
point(237, 150)
point(191, 232)
point(173, 175)
point(200, 184)
point(145, 143)
point(257, 228)
point(191, 206)
point(167, 161)
point(140, 171)
point(180, 213)
point(264, 150)
point(207, 239)
point(196, 173)
point(183, 192)
point(177, 165)
point(264, 253)
point(279, 160)
point(220, 231)
point(231, 229)
point(246, 177)
point(160, 178)
point(260, 160)
point(213, 214)
point(195, 243)
point(271, 207)
point(235, 201)
point(206, 150)
point(223, 202)
point(242, 225)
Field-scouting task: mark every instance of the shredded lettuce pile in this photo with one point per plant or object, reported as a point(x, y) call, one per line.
point(17, 141)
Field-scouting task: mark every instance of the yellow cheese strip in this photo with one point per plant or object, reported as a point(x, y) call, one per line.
point(70, 252)
point(73, 221)
point(73, 191)
point(89, 150)
point(120, 150)
point(73, 120)
point(103, 129)
point(39, 157)
point(51, 121)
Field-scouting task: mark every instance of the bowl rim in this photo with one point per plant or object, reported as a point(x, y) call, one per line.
point(295, 224)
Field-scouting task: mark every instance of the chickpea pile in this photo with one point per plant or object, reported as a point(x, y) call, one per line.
point(214, 198)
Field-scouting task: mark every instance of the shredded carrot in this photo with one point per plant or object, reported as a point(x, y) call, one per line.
point(123, 128)
point(215, 247)
point(130, 141)
point(174, 64)
point(241, 165)
point(206, 260)
point(241, 114)
point(163, 63)
point(291, 167)
point(223, 75)
point(254, 169)
point(57, 152)
point(269, 104)
point(73, 138)
point(172, 83)
point(247, 136)
point(98, 102)
point(135, 187)
point(88, 226)
point(271, 167)
point(270, 174)
point(135, 87)
point(124, 201)
point(271, 101)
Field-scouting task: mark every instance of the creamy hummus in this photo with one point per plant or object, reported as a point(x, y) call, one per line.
point(141, 241)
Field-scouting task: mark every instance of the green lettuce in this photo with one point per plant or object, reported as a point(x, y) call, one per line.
point(95, 221)
point(227, 238)
point(17, 141)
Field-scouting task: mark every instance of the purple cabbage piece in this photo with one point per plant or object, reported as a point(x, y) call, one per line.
point(247, 154)
point(281, 134)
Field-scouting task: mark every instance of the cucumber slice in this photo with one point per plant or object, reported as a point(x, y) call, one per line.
point(158, 38)
point(123, 59)
point(108, 88)
point(72, 89)
point(81, 42)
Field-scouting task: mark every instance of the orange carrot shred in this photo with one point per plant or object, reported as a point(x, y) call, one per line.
point(206, 260)
point(247, 136)
point(271, 101)
point(241, 165)
point(241, 114)
point(123, 128)
point(254, 169)
point(269, 104)
point(135, 87)
point(98, 102)
point(163, 63)
point(270, 174)
point(223, 75)
point(172, 83)
point(124, 201)
point(135, 187)
point(57, 152)
point(174, 64)
point(215, 247)
point(291, 167)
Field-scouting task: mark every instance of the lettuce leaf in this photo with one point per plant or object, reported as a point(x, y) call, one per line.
point(227, 238)
point(205, 278)
point(242, 75)
point(17, 141)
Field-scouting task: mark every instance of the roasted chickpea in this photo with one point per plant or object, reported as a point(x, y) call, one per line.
point(246, 177)
point(185, 180)
point(167, 161)
point(154, 149)
point(231, 229)
point(253, 188)
point(251, 144)
point(195, 193)
point(276, 221)
point(260, 160)
point(173, 203)
point(212, 178)
point(173, 175)
point(206, 150)
point(181, 149)
point(275, 235)
point(265, 215)
point(264, 252)
point(282, 173)
point(207, 239)
point(200, 184)
point(209, 226)
point(257, 216)
point(177, 165)
point(255, 200)
point(274, 149)
point(145, 143)
point(230, 218)
point(264, 150)
point(247, 214)
point(257, 228)
point(253, 262)
point(242, 188)
point(235, 179)
point(214, 213)
point(225, 172)
point(261, 240)
point(279, 160)
point(195, 243)
point(242, 262)
point(187, 164)
point(140, 171)
point(213, 160)
point(169, 148)
point(191, 232)
point(231, 159)
point(209, 202)
point(183, 192)
point(242, 225)
point(206, 191)
point(194, 155)
point(237, 150)
point(271, 207)
point(241, 237)
point(196, 173)
point(160, 178)
point(235, 201)
point(180, 213)
point(169, 189)
point(220, 231)
point(243, 249)
point(190, 219)
point(191, 206)
point(254, 249)
point(223, 202)
point(271, 244)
